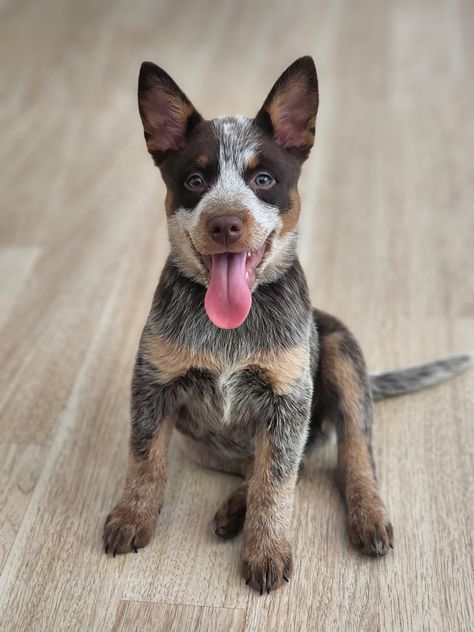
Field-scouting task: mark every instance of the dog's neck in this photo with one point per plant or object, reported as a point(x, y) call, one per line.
point(178, 312)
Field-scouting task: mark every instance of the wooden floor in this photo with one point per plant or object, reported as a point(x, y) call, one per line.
point(386, 240)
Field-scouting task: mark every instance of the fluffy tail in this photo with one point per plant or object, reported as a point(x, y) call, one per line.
point(415, 378)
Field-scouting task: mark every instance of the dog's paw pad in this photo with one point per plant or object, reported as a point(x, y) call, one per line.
point(371, 531)
point(125, 531)
point(267, 571)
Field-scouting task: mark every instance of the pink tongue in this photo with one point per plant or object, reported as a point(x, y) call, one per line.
point(228, 297)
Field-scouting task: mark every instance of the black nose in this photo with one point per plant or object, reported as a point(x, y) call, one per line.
point(225, 229)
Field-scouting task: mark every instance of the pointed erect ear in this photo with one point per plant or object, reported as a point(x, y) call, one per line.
point(289, 112)
point(166, 112)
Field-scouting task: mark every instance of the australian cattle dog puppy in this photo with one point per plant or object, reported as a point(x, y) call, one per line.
point(232, 355)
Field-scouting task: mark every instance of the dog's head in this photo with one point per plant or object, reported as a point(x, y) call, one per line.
point(232, 200)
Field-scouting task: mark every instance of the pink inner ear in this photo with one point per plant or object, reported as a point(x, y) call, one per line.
point(167, 132)
point(166, 119)
point(290, 119)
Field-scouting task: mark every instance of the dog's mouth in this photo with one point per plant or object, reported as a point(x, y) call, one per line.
point(231, 276)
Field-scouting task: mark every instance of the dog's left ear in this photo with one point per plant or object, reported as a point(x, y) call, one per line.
point(167, 114)
point(289, 111)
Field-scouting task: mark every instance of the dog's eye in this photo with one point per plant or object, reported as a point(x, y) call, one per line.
point(263, 181)
point(194, 182)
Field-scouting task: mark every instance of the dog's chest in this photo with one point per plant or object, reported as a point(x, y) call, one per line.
point(219, 411)
point(227, 386)
point(222, 399)
point(223, 387)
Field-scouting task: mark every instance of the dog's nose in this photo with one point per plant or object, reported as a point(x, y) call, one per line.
point(225, 229)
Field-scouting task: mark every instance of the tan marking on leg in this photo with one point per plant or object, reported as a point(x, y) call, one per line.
point(366, 512)
point(289, 219)
point(130, 524)
point(266, 556)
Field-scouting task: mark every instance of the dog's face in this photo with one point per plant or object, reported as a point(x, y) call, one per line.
point(232, 201)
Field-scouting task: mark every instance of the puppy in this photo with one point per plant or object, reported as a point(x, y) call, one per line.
point(232, 355)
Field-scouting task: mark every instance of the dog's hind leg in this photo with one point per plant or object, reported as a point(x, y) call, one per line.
point(230, 517)
point(343, 394)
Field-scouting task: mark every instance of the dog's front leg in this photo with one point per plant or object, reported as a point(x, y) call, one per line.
point(130, 524)
point(266, 555)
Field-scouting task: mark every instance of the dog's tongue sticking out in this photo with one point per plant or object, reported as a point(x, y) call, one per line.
point(228, 298)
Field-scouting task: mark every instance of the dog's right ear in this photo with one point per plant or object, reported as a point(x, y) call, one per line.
point(167, 114)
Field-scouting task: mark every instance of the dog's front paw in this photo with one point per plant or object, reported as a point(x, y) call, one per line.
point(370, 530)
point(267, 567)
point(127, 530)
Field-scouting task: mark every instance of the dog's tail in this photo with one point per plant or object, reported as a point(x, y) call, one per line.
point(415, 378)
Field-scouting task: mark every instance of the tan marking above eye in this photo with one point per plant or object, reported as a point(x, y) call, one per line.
point(253, 162)
point(202, 160)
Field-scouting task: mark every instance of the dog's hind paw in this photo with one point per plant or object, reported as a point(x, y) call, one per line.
point(230, 517)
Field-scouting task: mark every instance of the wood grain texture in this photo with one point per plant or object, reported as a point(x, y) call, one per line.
point(387, 227)
point(149, 617)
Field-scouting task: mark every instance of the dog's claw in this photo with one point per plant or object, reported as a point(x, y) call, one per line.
point(285, 577)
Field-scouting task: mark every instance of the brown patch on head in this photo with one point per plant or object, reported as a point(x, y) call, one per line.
point(202, 160)
point(289, 219)
point(253, 162)
point(130, 524)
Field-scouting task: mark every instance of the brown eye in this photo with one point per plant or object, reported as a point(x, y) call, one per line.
point(263, 181)
point(194, 182)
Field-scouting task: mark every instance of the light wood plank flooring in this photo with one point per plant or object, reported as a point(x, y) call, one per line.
point(387, 242)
